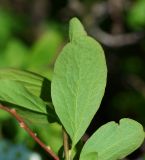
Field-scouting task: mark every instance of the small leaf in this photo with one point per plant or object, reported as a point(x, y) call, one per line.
point(114, 141)
point(79, 81)
point(31, 84)
point(16, 94)
point(34, 83)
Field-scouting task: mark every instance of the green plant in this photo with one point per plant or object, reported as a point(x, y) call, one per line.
point(77, 89)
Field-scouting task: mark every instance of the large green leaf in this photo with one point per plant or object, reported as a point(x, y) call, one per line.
point(114, 141)
point(91, 156)
point(79, 81)
point(34, 83)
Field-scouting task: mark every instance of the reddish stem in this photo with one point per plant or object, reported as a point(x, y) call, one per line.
point(29, 131)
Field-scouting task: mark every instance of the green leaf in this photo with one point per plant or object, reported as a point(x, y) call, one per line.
point(91, 156)
point(36, 118)
point(34, 83)
point(76, 29)
point(79, 81)
point(31, 108)
point(16, 94)
point(114, 141)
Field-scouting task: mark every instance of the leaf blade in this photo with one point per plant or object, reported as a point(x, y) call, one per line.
point(16, 94)
point(115, 141)
point(79, 82)
point(34, 83)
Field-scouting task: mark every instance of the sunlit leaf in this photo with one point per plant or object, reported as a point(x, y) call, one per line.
point(79, 81)
point(114, 141)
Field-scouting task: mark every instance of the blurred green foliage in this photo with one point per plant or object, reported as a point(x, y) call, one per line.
point(15, 48)
point(5, 27)
point(136, 15)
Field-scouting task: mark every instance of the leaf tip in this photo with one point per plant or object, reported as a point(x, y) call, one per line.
point(76, 29)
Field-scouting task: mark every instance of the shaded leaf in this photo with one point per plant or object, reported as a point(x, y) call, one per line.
point(30, 85)
point(34, 83)
point(79, 81)
point(15, 93)
point(114, 141)
point(51, 136)
point(36, 118)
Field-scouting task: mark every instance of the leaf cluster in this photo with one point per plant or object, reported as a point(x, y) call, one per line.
point(76, 90)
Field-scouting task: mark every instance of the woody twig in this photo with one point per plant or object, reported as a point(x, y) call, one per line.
point(29, 131)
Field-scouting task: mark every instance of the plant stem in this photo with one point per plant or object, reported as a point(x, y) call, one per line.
point(29, 131)
point(66, 145)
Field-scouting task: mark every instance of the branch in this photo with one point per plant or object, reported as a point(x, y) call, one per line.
point(29, 131)
point(118, 40)
point(66, 145)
